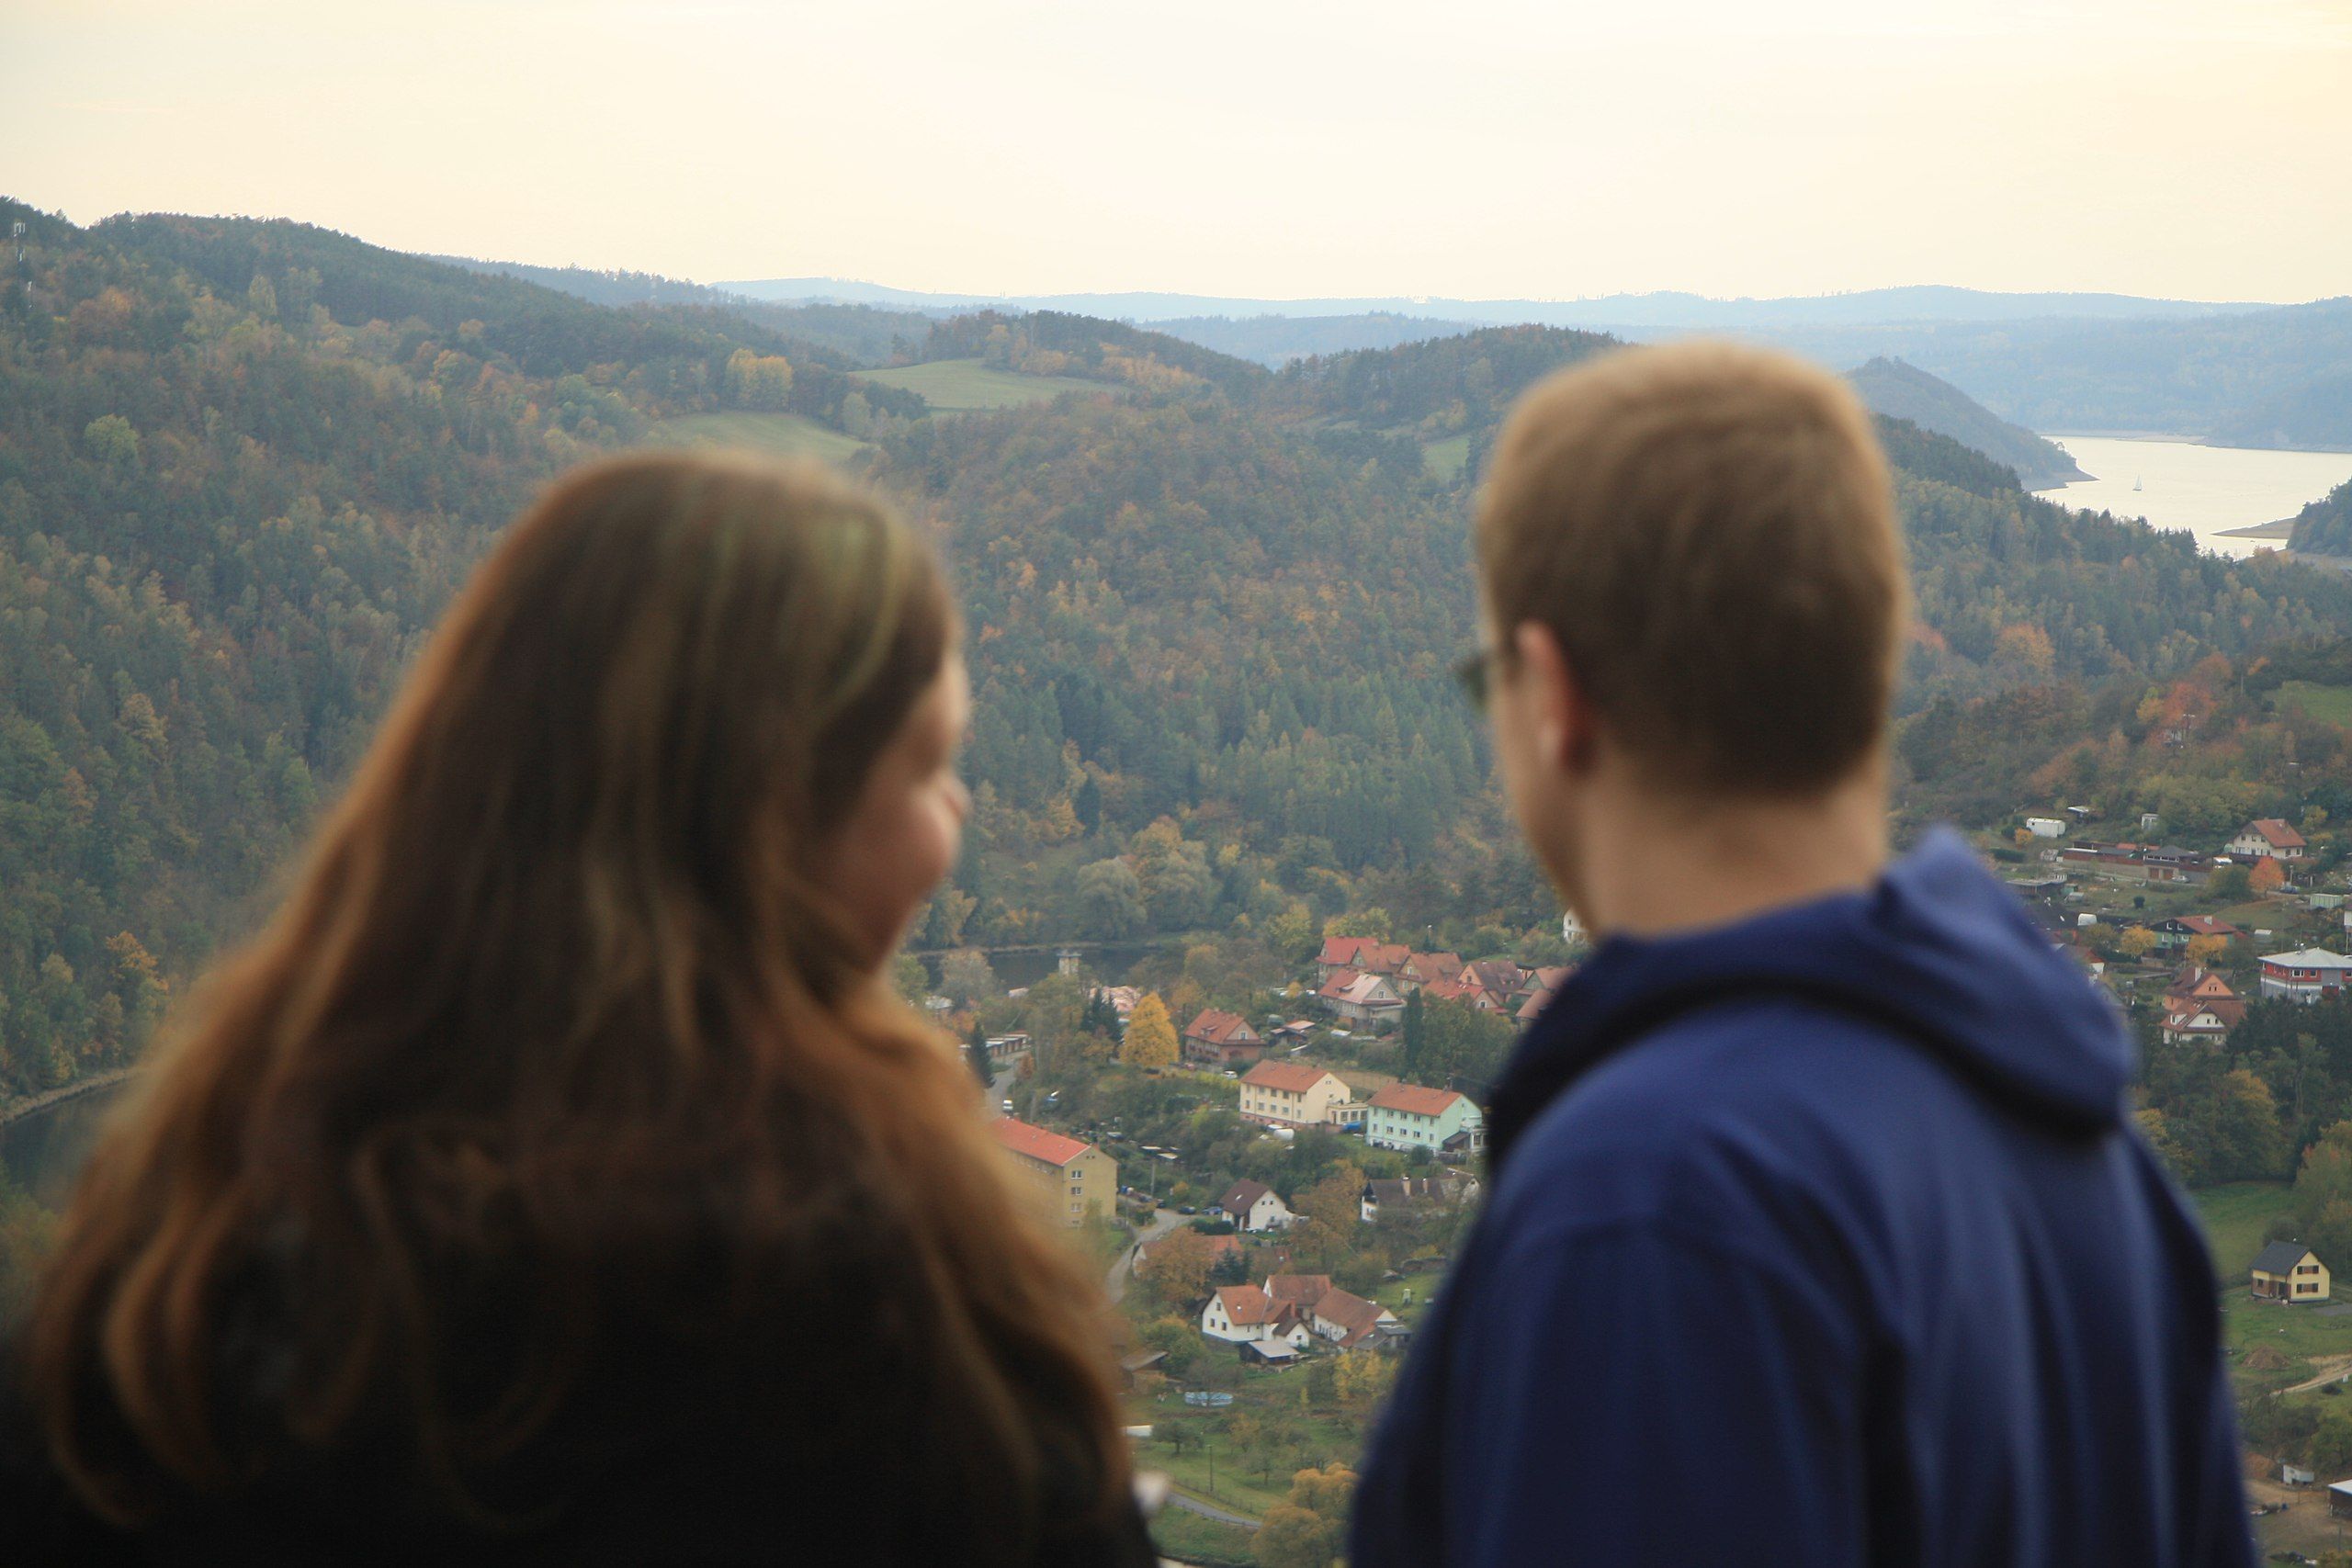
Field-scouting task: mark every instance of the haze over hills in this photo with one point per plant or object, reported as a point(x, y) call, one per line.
point(1666, 308)
point(243, 462)
point(1905, 391)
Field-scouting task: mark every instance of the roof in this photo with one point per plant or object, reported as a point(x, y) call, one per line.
point(2280, 834)
point(1433, 965)
point(2208, 925)
point(1414, 1101)
point(1297, 1290)
point(1499, 976)
point(2309, 958)
point(1243, 1197)
point(2280, 1257)
point(1246, 1306)
point(1347, 985)
point(1289, 1077)
point(1404, 1190)
point(1219, 1246)
point(1220, 1028)
point(1351, 1312)
point(1343, 951)
point(1035, 1141)
point(1452, 991)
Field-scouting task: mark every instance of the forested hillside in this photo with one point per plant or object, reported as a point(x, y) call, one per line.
point(242, 465)
point(2324, 527)
point(242, 468)
point(1905, 391)
point(2278, 377)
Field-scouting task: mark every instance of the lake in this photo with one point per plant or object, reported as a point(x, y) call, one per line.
point(43, 1152)
point(2202, 489)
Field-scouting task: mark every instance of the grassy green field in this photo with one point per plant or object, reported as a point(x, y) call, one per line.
point(2235, 1214)
point(782, 435)
point(1445, 459)
point(1192, 1538)
point(1211, 1465)
point(961, 386)
point(2329, 704)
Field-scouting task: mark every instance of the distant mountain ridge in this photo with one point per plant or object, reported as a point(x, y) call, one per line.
point(1902, 390)
point(1662, 309)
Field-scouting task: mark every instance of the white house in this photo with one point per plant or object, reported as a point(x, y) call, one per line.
point(2312, 974)
point(1405, 1116)
point(1361, 998)
point(1242, 1315)
point(1286, 1094)
point(1254, 1206)
point(2046, 826)
point(2267, 836)
point(1348, 1320)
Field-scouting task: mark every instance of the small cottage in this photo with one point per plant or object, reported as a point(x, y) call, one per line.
point(2288, 1271)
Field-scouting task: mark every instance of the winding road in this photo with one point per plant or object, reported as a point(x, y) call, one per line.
point(1114, 1283)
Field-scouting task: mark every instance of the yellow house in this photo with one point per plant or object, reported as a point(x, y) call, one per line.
point(1283, 1094)
point(1073, 1181)
point(2290, 1271)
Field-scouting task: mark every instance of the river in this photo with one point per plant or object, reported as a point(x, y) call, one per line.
point(2206, 489)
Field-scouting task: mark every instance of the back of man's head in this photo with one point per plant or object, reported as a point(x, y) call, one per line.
point(1708, 531)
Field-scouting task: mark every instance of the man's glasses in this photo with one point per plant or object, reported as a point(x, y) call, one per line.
point(1476, 675)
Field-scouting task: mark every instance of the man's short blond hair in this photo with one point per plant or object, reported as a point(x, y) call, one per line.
point(1709, 531)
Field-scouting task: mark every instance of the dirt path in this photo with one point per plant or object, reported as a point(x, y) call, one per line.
point(2330, 1368)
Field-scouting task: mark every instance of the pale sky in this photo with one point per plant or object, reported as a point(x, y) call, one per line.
point(1479, 149)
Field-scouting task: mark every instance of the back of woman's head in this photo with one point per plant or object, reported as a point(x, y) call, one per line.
point(568, 1039)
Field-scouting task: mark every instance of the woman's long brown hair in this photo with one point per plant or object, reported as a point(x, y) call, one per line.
point(557, 1032)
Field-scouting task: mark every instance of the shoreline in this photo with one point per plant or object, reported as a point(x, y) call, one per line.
point(18, 1109)
point(2187, 441)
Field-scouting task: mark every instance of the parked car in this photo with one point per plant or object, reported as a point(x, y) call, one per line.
point(1186, 1209)
point(1007, 1107)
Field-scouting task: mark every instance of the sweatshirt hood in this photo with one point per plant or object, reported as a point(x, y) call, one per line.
point(1937, 950)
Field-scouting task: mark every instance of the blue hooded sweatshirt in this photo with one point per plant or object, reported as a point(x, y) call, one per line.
point(1820, 1239)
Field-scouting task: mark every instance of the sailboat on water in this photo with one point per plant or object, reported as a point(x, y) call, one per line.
point(2136, 485)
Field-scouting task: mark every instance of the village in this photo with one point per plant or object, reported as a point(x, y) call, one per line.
point(1274, 1187)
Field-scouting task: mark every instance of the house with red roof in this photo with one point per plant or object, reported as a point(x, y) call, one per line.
point(1423, 968)
point(1499, 977)
point(1289, 1094)
point(1535, 992)
point(1349, 1321)
point(1220, 1248)
point(2267, 836)
point(1361, 998)
point(1245, 1314)
point(1218, 1039)
point(1342, 953)
point(2179, 931)
point(1407, 1116)
point(1071, 1181)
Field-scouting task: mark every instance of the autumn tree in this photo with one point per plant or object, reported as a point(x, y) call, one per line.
point(1178, 1269)
point(2229, 884)
point(2266, 877)
point(966, 975)
point(1309, 1528)
point(1152, 1035)
point(2204, 952)
point(1364, 1378)
point(758, 380)
point(1373, 922)
point(1329, 1211)
point(2136, 942)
